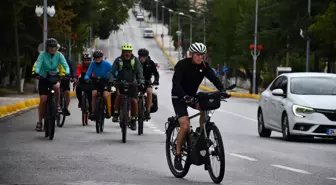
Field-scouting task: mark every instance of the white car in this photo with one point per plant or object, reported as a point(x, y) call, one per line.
point(148, 33)
point(299, 104)
point(140, 17)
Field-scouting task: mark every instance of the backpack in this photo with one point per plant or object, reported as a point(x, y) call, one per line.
point(121, 64)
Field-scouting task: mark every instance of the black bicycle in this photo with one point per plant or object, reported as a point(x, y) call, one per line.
point(61, 117)
point(142, 107)
point(125, 106)
point(86, 87)
point(51, 114)
point(198, 148)
point(100, 83)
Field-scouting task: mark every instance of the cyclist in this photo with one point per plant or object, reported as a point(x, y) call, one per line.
point(48, 61)
point(129, 69)
point(100, 68)
point(80, 74)
point(66, 84)
point(149, 69)
point(188, 75)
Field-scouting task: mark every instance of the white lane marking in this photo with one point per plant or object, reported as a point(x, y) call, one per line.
point(332, 178)
point(158, 131)
point(239, 115)
point(290, 169)
point(243, 157)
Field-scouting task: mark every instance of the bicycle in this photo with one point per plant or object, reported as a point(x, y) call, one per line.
point(86, 87)
point(142, 98)
point(124, 106)
point(198, 148)
point(61, 121)
point(51, 112)
point(100, 83)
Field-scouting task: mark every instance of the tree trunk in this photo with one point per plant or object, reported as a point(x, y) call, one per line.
point(17, 52)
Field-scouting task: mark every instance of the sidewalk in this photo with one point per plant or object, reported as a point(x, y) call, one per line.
point(167, 46)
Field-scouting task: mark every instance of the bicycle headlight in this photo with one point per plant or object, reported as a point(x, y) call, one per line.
point(302, 111)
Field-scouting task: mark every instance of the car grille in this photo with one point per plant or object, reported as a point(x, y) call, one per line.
point(330, 114)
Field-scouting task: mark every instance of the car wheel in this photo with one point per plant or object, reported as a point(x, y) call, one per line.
point(286, 135)
point(262, 130)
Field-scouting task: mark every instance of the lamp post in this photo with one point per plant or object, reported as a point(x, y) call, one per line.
point(308, 40)
point(179, 44)
point(255, 55)
point(157, 12)
point(170, 11)
point(45, 10)
point(163, 7)
point(190, 35)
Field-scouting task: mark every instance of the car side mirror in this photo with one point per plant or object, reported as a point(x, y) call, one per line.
point(278, 92)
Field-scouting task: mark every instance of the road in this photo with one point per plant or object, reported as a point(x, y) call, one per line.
point(78, 155)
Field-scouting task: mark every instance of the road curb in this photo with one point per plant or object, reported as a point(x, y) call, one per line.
point(205, 88)
point(16, 108)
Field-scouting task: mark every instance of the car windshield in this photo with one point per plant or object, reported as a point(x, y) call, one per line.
point(148, 31)
point(313, 85)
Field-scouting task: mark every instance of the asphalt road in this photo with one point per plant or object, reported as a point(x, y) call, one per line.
point(78, 155)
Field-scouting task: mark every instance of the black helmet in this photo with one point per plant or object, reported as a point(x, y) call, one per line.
point(98, 54)
point(62, 48)
point(143, 52)
point(51, 43)
point(86, 56)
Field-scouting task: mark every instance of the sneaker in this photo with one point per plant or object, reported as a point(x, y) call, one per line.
point(178, 163)
point(133, 125)
point(147, 115)
point(38, 127)
point(66, 112)
point(92, 117)
point(115, 117)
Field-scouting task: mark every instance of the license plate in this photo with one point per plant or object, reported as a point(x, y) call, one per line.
point(331, 131)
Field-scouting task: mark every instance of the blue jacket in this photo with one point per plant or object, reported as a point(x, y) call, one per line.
point(72, 72)
point(45, 62)
point(100, 70)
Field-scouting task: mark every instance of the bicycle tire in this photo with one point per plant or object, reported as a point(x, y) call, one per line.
point(84, 110)
point(140, 116)
point(102, 115)
point(61, 119)
point(221, 155)
point(45, 126)
point(124, 120)
point(98, 115)
point(170, 162)
point(52, 118)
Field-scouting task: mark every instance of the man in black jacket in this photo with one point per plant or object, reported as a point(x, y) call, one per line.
point(188, 75)
point(149, 69)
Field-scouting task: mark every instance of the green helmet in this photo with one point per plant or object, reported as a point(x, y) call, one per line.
point(127, 47)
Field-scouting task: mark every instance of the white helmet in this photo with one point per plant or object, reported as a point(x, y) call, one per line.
point(198, 48)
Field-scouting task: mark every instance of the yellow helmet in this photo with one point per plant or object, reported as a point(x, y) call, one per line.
point(127, 47)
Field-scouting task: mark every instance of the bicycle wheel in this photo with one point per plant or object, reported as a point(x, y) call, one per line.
point(102, 115)
point(51, 118)
point(171, 147)
point(124, 119)
point(140, 116)
point(61, 119)
point(84, 109)
point(218, 152)
point(98, 115)
point(45, 126)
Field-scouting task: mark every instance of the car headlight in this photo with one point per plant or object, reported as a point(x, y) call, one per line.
point(302, 111)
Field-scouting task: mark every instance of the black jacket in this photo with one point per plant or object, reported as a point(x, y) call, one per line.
point(188, 77)
point(149, 69)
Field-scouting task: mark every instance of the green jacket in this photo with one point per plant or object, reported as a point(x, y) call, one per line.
point(45, 62)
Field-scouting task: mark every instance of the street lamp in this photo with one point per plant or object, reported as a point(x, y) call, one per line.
point(255, 55)
point(178, 33)
point(45, 10)
point(157, 12)
point(170, 11)
point(190, 36)
point(204, 26)
point(308, 40)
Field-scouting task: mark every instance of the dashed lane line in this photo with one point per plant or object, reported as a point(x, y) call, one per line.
point(238, 115)
point(290, 169)
point(243, 157)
